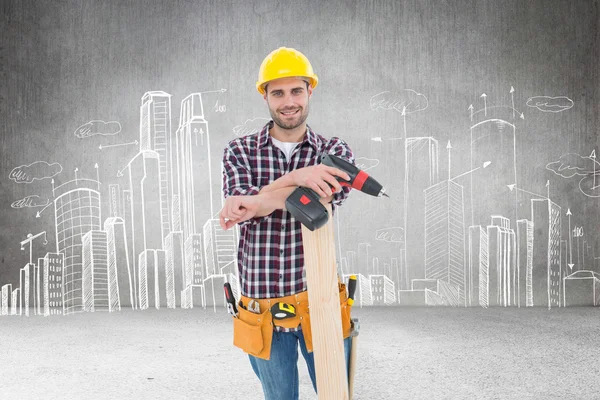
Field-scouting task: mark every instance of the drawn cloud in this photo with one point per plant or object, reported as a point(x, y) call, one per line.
point(251, 126)
point(572, 164)
point(98, 127)
point(390, 235)
point(366, 164)
point(30, 201)
point(550, 104)
point(38, 170)
point(407, 98)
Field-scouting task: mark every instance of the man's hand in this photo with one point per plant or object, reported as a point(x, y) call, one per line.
point(238, 209)
point(319, 178)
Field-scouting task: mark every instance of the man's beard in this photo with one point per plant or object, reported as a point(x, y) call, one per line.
point(293, 124)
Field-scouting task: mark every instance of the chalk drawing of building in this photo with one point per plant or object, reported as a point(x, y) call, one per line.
point(382, 290)
point(174, 268)
point(525, 267)
point(95, 278)
point(493, 140)
point(546, 270)
point(582, 288)
point(119, 264)
point(478, 267)
point(155, 131)
point(502, 262)
point(151, 273)
point(16, 302)
point(146, 225)
point(445, 236)
point(37, 287)
point(115, 201)
point(25, 285)
point(191, 174)
point(420, 173)
point(6, 299)
point(53, 274)
point(77, 210)
point(220, 248)
point(194, 272)
point(128, 219)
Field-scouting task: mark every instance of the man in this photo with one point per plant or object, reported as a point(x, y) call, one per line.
point(259, 172)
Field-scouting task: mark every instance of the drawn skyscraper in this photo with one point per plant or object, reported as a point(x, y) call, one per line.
point(77, 210)
point(128, 218)
point(478, 267)
point(115, 206)
point(502, 261)
point(95, 279)
point(525, 248)
point(26, 286)
point(119, 265)
point(155, 131)
point(193, 187)
point(546, 274)
point(493, 140)
point(6, 299)
point(194, 272)
point(53, 273)
point(445, 236)
point(420, 173)
point(220, 249)
point(174, 265)
point(145, 207)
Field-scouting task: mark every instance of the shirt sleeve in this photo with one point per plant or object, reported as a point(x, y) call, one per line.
point(237, 178)
point(340, 148)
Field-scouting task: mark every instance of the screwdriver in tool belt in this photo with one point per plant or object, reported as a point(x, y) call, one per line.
point(231, 308)
point(351, 289)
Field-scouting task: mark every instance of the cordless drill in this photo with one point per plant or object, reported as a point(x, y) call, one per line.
point(304, 204)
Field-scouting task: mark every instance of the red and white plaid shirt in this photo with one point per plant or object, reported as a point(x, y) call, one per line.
point(270, 253)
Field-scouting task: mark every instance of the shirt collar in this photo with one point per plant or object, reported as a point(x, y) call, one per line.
point(264, 137)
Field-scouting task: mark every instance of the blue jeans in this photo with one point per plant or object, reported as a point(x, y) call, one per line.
point(279, 375)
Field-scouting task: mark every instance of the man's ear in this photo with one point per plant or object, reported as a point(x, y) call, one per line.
point(309, 91)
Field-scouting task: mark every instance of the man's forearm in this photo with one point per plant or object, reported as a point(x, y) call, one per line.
point(275, 200)
point(272, 200)
point(284, 181)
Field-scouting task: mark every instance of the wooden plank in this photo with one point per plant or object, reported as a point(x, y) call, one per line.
point(325, 313)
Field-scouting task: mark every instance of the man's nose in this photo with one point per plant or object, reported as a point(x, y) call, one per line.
point(288, 99)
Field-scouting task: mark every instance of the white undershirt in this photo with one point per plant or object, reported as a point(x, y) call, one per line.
point(286, 147)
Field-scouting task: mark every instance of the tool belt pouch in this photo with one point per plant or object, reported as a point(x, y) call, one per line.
point(253, 333)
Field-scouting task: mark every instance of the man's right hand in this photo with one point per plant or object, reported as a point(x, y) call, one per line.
point(319, 178)
point(238, 209)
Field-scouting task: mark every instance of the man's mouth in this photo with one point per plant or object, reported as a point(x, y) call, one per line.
point(288, 113)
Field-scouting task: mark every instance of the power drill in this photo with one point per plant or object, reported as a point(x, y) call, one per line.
point(304, 204)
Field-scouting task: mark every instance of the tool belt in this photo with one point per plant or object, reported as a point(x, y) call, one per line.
point(253, 332)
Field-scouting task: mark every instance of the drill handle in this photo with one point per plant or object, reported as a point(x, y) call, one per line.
point(334, 161)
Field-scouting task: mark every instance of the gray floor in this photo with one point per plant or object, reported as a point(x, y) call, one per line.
point(410, 353)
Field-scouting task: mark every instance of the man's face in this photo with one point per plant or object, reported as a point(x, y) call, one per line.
point(287, 99)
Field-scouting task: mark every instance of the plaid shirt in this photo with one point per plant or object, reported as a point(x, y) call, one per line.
point(270, 253)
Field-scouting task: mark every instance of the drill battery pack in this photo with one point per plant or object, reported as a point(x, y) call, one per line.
point(304, 205)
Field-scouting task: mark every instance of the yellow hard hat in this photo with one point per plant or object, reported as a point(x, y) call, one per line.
point(285, 62)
